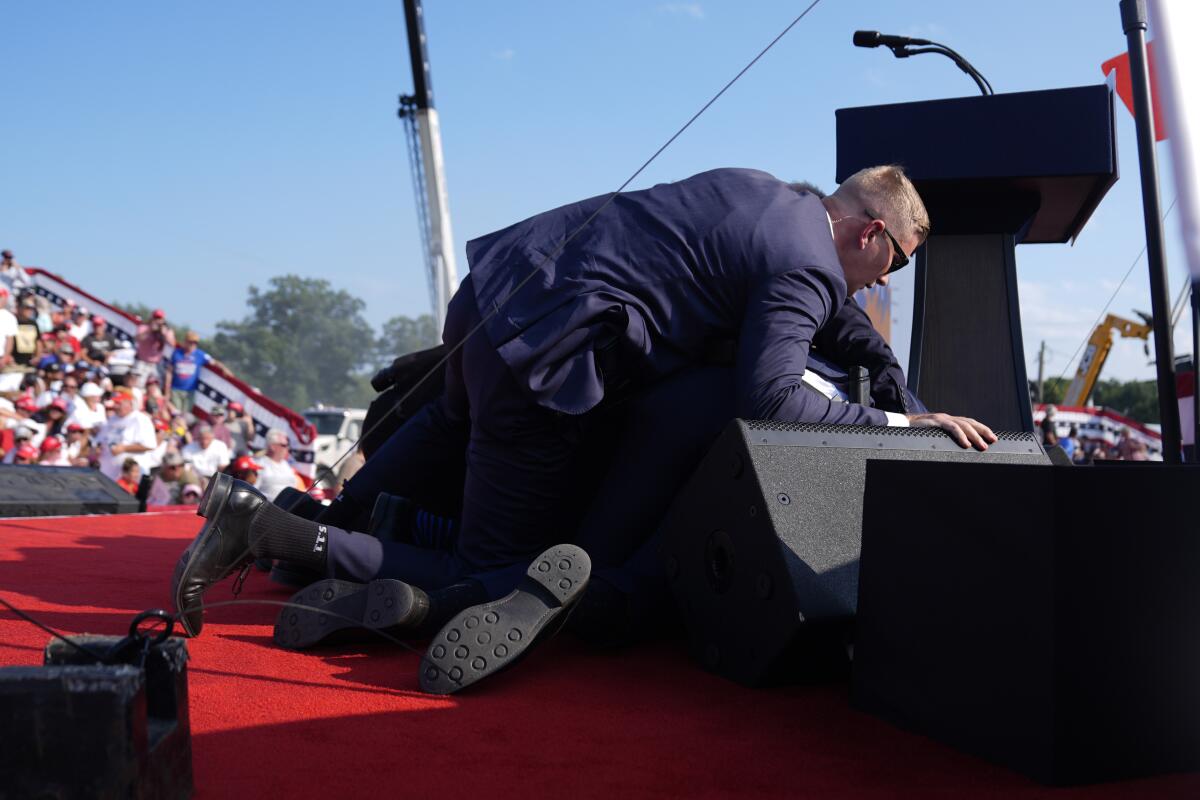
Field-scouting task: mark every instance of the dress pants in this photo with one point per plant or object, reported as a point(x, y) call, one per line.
point(530, 477)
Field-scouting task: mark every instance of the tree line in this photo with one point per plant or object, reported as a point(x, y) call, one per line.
point(303, 342)
point(1137, 400)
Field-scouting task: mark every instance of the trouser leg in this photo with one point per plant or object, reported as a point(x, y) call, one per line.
point(667, 431)
point(523, 465)
point(424, 458)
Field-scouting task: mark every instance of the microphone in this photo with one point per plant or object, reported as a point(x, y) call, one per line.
point(875, 39)
point(899, 45)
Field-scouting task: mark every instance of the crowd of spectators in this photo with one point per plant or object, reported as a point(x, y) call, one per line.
point(1088, 451)
point(73, 393)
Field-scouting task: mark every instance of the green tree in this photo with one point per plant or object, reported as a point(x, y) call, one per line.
point(302, 343)
point(1053, 389)
point(1137, 400)
point(402, 335)
point(1134, 399)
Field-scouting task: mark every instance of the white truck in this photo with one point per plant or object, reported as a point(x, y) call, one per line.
point(337, 431)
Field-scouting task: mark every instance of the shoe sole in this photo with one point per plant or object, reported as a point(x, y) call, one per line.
point(215, 495)
point(484, 639)
point(335, 607)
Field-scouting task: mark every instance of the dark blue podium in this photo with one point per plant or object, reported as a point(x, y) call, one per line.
point(994, 171)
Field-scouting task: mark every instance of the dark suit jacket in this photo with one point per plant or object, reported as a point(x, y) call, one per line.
point(659, 275)
point(849, 339)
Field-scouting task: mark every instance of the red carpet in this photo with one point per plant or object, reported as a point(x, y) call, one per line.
point(567, 723)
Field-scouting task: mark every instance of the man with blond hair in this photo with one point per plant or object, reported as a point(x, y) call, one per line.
point(605, 350)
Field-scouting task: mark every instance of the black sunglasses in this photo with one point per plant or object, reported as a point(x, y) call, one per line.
point(899, 260)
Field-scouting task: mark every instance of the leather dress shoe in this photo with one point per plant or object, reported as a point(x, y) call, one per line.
point(339, 611)
point(221, 547)
point(484, 639)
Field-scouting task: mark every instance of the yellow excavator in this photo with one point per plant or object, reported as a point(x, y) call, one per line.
point(1096, 353)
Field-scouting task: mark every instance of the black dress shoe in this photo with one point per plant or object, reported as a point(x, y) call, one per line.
point(345, 611)
point(221, 547)
point(485, 639)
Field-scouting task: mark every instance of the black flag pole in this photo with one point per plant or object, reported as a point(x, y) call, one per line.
point(1133, 20)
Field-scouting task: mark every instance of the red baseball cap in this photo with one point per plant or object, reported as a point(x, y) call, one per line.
point(75, 427)
point(247, 464)
point(159, 314)
point(234, 405)
point(27, 451)
point(97, 319)
point(26, 403)
point(51, 443)
point(59, 402)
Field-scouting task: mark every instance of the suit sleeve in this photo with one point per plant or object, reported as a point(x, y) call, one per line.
point(850, 339)
point(783, 314)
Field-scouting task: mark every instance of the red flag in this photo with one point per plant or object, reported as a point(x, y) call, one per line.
point(1124, 82)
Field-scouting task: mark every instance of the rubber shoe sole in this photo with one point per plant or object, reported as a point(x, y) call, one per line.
point(485, 639)
point(339, 610)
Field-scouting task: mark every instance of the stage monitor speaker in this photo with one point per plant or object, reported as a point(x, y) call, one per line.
point(1044, 619)
point(32, 490)
point(762, 544)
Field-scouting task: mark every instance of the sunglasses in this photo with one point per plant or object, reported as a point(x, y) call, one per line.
point(899, 260)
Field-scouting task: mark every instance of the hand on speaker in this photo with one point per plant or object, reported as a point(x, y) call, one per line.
point(965, 431)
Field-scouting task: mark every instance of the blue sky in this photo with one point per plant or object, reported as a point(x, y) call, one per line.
point(175, 153)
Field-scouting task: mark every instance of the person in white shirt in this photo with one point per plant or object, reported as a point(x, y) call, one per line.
point(8, 328)
point(23, 410)
point(12, 275)
point(77, 446)
point(277, 473)
point(165, 444)
point(207, 455)
point(89, 413)
point(79, 326)
point(127, 434)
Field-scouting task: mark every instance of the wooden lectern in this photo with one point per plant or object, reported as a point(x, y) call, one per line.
point(994, 171)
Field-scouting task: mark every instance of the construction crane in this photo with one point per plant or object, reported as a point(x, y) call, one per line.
point(1096, 353)
point(429, 180)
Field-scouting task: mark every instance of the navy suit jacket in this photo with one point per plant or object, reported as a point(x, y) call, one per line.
point(648, 286)
point(849, 339)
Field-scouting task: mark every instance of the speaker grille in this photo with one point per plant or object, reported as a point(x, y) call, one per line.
point(877, 437)
point(871, 430)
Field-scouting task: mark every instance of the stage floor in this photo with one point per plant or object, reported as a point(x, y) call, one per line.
point(568, 722)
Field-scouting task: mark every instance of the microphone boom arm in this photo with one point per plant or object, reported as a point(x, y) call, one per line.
point(903, 47)
point(985, 87)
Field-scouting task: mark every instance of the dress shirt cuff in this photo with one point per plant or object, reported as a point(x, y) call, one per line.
point(896, 420)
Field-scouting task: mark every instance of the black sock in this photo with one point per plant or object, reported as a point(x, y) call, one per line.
point(274, 533)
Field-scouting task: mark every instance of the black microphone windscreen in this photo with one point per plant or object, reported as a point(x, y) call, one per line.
point(866, 38)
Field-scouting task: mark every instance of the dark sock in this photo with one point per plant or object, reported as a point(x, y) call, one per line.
point(445, 603)
point(347, 513)
point(274, 533)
